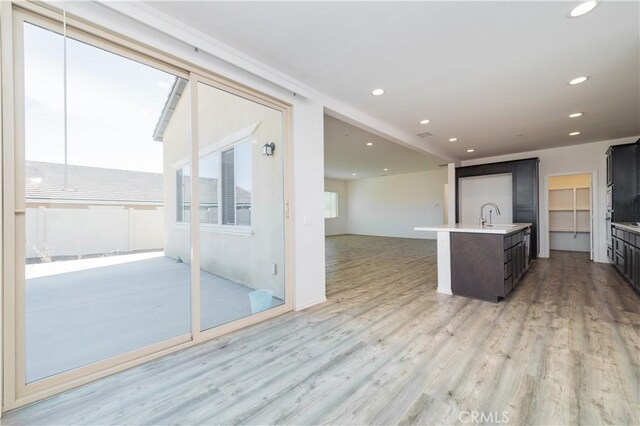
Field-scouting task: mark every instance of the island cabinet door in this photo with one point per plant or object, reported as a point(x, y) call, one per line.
point(477, 265)
point(516, 263)
point(521, 260)
point(631, 267)
point(636, 263)
point(508, 267)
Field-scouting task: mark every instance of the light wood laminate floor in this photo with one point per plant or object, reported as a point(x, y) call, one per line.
point(385, 348)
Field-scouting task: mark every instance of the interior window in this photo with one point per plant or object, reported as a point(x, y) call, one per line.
point(330, 205)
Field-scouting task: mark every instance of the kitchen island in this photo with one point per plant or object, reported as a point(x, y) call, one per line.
point(484, 262)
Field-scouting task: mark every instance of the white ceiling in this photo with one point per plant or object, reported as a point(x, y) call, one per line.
point(346, 152)
point(492, 74)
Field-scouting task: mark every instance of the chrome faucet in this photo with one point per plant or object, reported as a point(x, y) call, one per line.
point(482, 219)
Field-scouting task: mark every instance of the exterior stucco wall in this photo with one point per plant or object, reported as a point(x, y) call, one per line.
point(246, 259)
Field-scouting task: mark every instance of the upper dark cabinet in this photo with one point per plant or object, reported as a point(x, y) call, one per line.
point(525, 184)
point(623, 177)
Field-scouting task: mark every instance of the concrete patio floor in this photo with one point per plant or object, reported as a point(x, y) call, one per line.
point(79, 316)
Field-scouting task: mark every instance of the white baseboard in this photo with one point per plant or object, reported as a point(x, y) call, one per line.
point(310, 304)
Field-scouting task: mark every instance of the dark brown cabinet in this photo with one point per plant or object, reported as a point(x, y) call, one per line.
point(626, 254)
point(609, 166)
point(515, 258)
point(623, 177)
point(623, 190)
point(524, 183)
point(635, 282)
point(488, 266)
point(631, 273)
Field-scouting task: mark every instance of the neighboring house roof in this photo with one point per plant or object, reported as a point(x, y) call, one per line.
point(46, 181)
point(169, 108)
point(209, 193)
point(242, 196)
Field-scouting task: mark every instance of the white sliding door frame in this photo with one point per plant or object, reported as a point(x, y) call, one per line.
point(15, 392)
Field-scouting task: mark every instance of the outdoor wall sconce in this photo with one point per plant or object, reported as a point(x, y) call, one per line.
point(268, 148)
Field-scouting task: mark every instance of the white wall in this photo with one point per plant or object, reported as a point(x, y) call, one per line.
point(576, 159)
point(392, 206)
point(90, 231)
point(477, 190)
point(308, 178)
point(567, 241)
point(337, 225)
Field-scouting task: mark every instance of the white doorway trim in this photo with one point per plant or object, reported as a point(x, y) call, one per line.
point(595, 202)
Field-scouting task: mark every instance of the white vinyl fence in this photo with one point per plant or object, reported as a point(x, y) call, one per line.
point(92, 231)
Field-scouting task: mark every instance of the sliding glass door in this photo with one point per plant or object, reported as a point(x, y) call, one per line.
point(148, 209)
point(98, 281)
point(241, 206)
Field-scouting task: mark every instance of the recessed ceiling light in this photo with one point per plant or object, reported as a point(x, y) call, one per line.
point(377, 92)
point(574, 133)
point(386, 170)
point(369, 143)
point(575, 114)
point(424, 122)
point(453, 139)
point(578, 80)
point(470, 150)
point(583, 8)
point(354, 174)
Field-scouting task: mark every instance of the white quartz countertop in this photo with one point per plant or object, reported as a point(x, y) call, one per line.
point(476, 228)
point(627, 226)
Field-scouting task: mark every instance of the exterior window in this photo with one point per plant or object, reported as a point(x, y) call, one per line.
point(330, 205)
point(228, 187)
point(209, 178)
point(183, 194)
point(242, 181)
point(225, 188)
point(235, 178)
